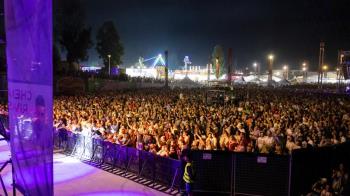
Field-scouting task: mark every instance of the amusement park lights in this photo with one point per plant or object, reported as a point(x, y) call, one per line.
point(159, 59)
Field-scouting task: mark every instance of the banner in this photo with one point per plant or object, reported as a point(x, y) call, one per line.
point(29, 60)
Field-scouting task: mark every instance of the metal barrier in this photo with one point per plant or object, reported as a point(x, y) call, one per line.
point(309, 165)
point(261, 174)
point(239, 173)
point(209, 166)
point(143, 164)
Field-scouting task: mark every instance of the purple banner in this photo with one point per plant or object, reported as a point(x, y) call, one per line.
point(29, 60)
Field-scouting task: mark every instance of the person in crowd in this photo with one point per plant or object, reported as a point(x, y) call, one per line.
point(268, 121)
point(337, 185)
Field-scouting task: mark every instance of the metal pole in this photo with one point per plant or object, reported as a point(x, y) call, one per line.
point(13, 180)
point(232, 175)
point(290, 174)
point(109, 64)
point(320, 62)
point(166, 69)
point(270, 70)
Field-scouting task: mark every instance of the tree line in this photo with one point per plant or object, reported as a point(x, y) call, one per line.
point(73, 38)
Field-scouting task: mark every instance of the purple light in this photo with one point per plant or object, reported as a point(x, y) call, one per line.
point(65, 169)
point(118, 193)
point(29, 60)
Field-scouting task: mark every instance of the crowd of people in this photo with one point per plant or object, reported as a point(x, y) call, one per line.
point(3, 109)
point(165, 122)
point(336, 184)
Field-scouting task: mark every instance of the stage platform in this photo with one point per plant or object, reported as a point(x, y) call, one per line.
point(73, 177)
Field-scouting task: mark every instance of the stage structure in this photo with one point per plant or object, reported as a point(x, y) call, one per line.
point(29, 60)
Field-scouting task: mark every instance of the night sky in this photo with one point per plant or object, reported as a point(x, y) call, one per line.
point(291, 29)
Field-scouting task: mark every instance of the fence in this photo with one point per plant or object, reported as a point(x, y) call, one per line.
point(309, 165)
point(157, 169)
point(241, 173)
point(217, 172)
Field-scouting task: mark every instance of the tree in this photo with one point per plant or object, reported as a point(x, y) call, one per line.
point(108, 43)
point(73, 35)
point(218, 59)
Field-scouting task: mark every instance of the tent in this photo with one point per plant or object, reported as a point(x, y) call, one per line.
point(240, 80)
point(284, 82)
point(185, 83)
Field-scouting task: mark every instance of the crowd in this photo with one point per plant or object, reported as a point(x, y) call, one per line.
point(3, 109)
point(166, 122)
point(336, 184)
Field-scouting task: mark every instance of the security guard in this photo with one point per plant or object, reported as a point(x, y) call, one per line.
point(188, 176)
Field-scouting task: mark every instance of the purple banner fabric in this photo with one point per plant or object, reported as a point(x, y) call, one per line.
point(29, 60)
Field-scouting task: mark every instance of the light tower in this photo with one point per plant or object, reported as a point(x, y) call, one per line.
point(320, 61)
point(269, 80)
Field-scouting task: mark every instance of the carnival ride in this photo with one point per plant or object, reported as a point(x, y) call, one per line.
point(158, 61)
point(141, 69)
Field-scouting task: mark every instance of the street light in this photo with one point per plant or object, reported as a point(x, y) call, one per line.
point(304, 68)
point(338, 76)
point(109, 64)
point(255, 65)
point(285, 68)
point(324, 72)
point(270, 57)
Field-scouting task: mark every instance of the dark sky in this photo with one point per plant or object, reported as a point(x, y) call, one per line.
point(290, 29)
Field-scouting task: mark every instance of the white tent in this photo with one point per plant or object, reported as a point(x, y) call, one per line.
point(185, 83)
point(239, 80)
point(284, 82)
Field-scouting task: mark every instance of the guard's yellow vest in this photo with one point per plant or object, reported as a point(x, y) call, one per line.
point(186, 177)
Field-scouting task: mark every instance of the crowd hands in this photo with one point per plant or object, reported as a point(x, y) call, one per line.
point(167, 122)
point(336, 184)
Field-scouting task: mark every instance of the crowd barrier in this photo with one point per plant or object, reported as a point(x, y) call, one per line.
point(217, 172)
point(309, 165)
point(241, 173)
point(144, 164)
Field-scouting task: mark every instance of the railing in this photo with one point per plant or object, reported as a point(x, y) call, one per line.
point(156, 169)
point(217, 172)
point(230, 173)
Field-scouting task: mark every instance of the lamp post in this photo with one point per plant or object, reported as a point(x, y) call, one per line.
point(304, 68)
point(255, 65)
point(269, 80)
point(285, 68)
point(338, 77)
point(304, 74)
point(109, 64)
point(324, 72)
